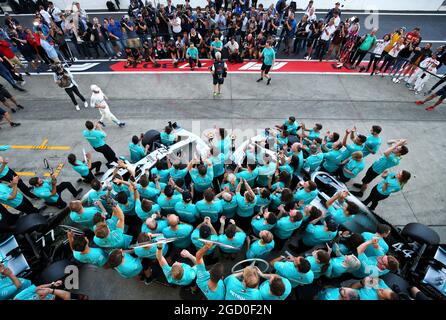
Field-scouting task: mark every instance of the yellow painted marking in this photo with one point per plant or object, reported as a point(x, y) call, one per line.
point(26, 174)
point(42, 147)
point(56, 172)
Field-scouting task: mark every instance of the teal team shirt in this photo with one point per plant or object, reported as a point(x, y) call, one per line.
point(199, 244)
point(6, 192)
point(203, 277)
point(229, 208)
point(115, 239)
point(383, 163)
point(317, 268)
point(372, 251)
point(8, 289)
point(285, 227)
point(177, 174)
point(182, 232)
point(369, 267)
point(81, 168)
point(291, 128)
point(193, 53)
point(167, 139)
point(150, 252)
point(259, 250)
point(94, 256)
point(44, 192)
point(313, 162)
point(211, 210)
point(130, 267)
point(354, 166)
point(338, 214)
point(86, 217)
point(264, 173)
point(137, 152)
point(189, 274)
point(148, 192)
point(329, 294)
point(332, 160)
point(261, 202)
point(316, 234)
point(237, 241)
point(265, 290)
point(337, 267)
point(268, 56)
point(393, 185)
point(96, 138)
point(373, 143)
point(160, 225)
point(244, 209)
point(307, 197)
point(350, 148)
point(288, 270)
point(250, 177)
point(143, 215)
point(260, 225)
point(235, 290)
point(168, 205)
point(162, 174)
point(218, 163)
point(202, 183)
point(187, 211)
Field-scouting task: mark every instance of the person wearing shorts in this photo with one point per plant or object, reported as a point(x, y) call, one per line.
point(6, 97)
point(440, 93)
point(6, 116)
point(218, 70)
point(269, 55)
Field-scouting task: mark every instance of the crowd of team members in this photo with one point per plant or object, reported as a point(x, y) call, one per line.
point(254, 207)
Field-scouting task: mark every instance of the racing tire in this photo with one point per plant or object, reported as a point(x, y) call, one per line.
point(421, 233)
point(53, 272)
point(29, 223)
point(150, 137)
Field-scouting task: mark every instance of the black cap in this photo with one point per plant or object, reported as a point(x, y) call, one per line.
point(187, 196)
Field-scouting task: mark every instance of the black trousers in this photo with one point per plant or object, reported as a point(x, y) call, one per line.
point(374, 197)
point(94, 166)
point(374, 60)
point(27, 207)
point(74, 90)
point(442, 80)
point(369, 175)
point(8, 219)
point(61, 187)
point(192, 62)
point(359, 55)
point(321, 49)
point(21, 185)
point(107, 152)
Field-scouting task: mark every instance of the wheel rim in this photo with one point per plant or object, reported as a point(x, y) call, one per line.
point(75, 230)
point(263, 265)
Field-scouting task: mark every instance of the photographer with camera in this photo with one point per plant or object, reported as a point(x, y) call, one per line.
point(130, 31)
point(141, 28)
point(233, 51)
point(64, 79)
point(219, 72)
point(290, 29)
point(162, 23)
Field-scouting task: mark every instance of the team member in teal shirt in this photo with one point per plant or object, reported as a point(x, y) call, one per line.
point(266, 171)
point(250, 174)
point(10, 285)
point(232, 236)
point(192, 56)
point(382, 232)
point(168, 199)
point(180, 274)
point(247, 202)
point(260, 248)
point(82, 252)
point(137, 152)
point(216, 46)
point(297, 270)
point(243, 290)
point(167, 136)
point(319, 234)
point(176, 172)
point(263, 199)
point(126, 265)
point(112, 238)
point(265, 220)
point(217, 159)
point(159, 171)
point(145, 208)
point(312, 134)
point(202, 176)
point(269, 55)
point(346, 210)
point(392, 183)
point(177, 229)
point(332, 158)
point(10, 196)
point(320, 263)
point(210, 282)
point(154, 224)
point(307, 193)
point(374, 266)
point(342, 264)
point(351, 167)
point(286, 226)
point(391, 158)
point(85, 168)
point(275, 287)
point(149, 252)
point(343, 293)
point(228, 203)
point(291, 125)
point(186, 210)
point(83, 216)
point(95, 135)
point(146, 191)
point(372, 288)
point(329, 140)
point(373, 142)
point(206, 231)
point(357, 145)
point(209, 206)
point(314, 160)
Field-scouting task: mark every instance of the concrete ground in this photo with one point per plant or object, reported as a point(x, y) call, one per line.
point(149, 101)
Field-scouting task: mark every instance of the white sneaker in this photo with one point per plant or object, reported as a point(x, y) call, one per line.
point(85, 104)
point(77, 107)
